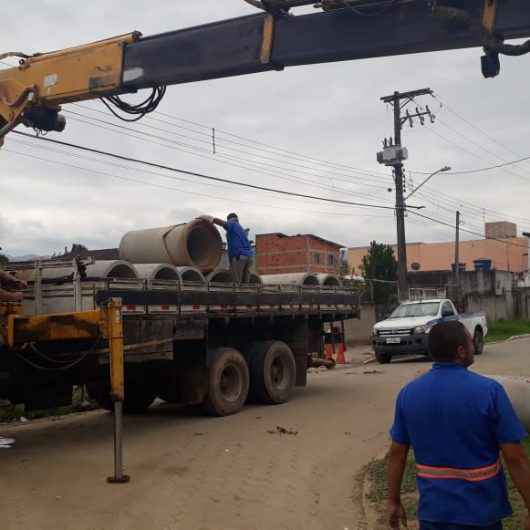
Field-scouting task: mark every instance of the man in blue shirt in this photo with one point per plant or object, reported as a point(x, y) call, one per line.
point(457, 423)
point(240, 252)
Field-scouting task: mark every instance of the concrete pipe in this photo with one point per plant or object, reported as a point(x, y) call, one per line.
point(221, 276)
point(111, 269)
point(189, 274)
point(254, 279)
point(518, 389)
point(298, 278)
point(194, 244)
point(157, 271)
point(328, 280)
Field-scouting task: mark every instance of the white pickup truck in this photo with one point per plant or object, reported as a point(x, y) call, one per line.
point(407, 329)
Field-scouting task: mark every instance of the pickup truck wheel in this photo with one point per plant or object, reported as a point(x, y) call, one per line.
point(228, 383)
point(478, 341)
point(383, 357)
point(272, 372)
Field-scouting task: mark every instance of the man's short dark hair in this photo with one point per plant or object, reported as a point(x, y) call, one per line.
point(231, 216)
point(445, 339)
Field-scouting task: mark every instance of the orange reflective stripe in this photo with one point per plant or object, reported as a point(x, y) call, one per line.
point(471, 475)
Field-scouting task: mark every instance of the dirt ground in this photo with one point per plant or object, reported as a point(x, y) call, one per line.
point(197, 473)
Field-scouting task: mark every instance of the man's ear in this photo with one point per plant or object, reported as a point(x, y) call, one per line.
point(461, 352)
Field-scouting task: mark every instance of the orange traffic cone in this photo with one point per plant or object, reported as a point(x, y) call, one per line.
point(341, 349)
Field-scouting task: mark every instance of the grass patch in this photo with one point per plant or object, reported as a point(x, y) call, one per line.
point(504, 329)
point(376, 473)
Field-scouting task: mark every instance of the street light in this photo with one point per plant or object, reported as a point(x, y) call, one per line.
point(441, 170)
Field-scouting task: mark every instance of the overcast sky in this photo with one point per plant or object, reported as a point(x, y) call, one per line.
point(328, 112)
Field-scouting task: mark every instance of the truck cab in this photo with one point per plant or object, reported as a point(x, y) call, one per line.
point(406, 330)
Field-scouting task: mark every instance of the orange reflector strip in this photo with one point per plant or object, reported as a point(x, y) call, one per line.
point(471, 475)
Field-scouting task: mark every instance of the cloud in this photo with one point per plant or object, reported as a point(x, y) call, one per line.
point(327, 112)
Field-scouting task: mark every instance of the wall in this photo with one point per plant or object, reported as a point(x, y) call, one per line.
point(512, 257)
point(279, 254)
point(359, 332)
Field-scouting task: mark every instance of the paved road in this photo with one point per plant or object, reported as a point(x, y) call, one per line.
point(197, 473)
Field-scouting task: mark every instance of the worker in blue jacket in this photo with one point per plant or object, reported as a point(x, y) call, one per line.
point(240, 251)
point(458, 424)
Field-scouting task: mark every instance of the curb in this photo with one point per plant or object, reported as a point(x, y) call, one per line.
point(509, 339)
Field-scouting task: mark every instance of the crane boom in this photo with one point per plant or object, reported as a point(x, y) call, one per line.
point(33, 92)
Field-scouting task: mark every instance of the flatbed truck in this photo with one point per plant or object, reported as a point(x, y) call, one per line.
point(217, 345)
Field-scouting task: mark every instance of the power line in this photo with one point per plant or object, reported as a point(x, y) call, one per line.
point(233, 161)
point(204, 176)
point(180, 179)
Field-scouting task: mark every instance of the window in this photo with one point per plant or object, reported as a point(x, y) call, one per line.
point(331, 259)
point(317, 258)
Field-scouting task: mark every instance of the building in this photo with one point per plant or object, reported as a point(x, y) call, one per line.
point(506, 251)
point(278, 253)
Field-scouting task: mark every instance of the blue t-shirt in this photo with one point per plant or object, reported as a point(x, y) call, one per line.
point(238, 243)
point(455, 418)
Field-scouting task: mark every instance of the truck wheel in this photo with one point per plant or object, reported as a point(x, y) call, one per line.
point(478, 341)
point(383, 357)
point(272, 372)
point(228, 383)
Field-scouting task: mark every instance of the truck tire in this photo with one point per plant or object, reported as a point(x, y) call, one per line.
point(228, 383)
point(272, 372)
point(478, 341)
point(383, 357)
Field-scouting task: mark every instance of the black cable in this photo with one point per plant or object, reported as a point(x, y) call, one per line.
point(139, 110)
point(204, 176)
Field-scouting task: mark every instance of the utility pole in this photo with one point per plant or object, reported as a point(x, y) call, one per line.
point(457, 260)
point(399, 101)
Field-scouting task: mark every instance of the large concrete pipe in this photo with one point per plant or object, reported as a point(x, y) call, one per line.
point(96, 270)
point(111, 269)
point(157, 271)
point(221, 276)
point(190, 274)
point(328, 280)
point(518, 389)
point(298, 278)
point(194, 244)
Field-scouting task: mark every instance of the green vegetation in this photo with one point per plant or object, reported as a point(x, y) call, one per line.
point(377, 492)
point(380, 264)
point(504, 329)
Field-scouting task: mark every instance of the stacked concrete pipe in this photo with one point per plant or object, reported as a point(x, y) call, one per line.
point(221, 276)
point(518, 389)
point(299, 278)
point(194, 244)
point(254, 279)
point(111, 269)
point(328, 280)
point(191, 274)
point(157, 271)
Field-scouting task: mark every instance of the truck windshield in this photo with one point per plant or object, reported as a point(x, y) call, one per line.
point(416, 310)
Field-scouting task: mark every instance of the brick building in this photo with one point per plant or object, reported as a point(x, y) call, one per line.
point(278, 253)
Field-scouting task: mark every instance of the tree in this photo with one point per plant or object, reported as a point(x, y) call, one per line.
point(4, 260)
point(381, 264)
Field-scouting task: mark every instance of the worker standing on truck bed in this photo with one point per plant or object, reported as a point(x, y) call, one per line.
point(458, 423)
point(240, 252)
